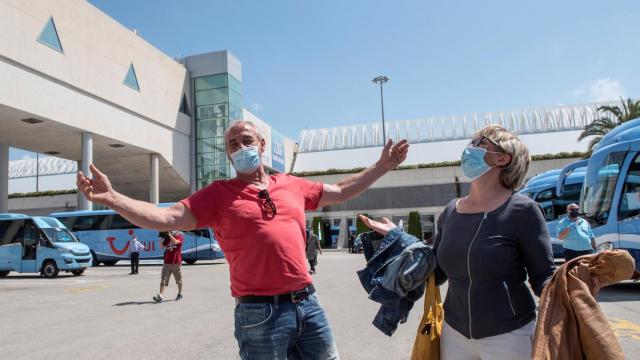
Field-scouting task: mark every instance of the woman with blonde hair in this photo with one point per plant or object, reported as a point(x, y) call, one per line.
point(487, 245)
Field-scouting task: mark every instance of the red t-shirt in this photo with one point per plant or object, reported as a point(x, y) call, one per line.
point(173, 252)
point(266, 254)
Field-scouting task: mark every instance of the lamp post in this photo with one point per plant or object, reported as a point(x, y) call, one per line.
point(381, 80)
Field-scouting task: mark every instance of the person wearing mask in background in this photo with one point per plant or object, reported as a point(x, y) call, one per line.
point(172, 243)
point(259, 222)
point(312, 248)
point(134, 254)
point(487, 245)
point(575, 233)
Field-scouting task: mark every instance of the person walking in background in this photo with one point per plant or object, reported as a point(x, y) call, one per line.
point(172, 243)
point(487, 245)
point(352, 239)
point(576, 234)
point(134, 254)
point(312, 248)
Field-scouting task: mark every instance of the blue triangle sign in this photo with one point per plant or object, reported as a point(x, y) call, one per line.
point(49, 36)
point(131, 79)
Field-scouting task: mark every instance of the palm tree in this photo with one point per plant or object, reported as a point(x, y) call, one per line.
point(613, 116)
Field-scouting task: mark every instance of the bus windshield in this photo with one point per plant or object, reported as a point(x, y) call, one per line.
point(59, 235)
point(599, 187)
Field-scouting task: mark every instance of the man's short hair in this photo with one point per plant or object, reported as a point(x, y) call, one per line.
point(240, 123)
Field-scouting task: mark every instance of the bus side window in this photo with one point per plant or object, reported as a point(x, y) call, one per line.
point(29, 240)
point(545, 199)
point(68, 222)
point(5, 239)
point(120, 223)
point(630, 199)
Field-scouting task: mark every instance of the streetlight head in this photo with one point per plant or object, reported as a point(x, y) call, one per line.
point(380, 79)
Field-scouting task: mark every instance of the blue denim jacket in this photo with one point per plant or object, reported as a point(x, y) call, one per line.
point(398, 265)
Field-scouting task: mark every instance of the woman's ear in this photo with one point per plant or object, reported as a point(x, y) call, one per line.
point(504, 160)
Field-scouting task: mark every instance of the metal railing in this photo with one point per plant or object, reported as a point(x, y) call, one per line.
point(531, 121)
point(45, 166)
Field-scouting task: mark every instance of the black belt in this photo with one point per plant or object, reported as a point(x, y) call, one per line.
point(293, 296)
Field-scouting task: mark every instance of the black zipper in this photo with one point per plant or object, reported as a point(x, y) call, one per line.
point(484, 217)
point(506, 289)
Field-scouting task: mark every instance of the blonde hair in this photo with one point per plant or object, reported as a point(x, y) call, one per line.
point(514, 174)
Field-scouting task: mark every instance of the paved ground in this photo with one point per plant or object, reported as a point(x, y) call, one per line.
point(107, 314)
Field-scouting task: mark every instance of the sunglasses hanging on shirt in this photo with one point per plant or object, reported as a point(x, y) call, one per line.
point(267, 204)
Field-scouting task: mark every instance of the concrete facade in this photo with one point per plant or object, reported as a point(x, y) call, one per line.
point(54, 99)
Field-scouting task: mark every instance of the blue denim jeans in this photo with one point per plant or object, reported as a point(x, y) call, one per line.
point(284, 331)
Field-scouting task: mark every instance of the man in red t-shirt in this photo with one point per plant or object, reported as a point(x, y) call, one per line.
point(172, 243)
point(259, 221)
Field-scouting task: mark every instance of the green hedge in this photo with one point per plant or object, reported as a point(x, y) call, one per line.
point(42, 193)
point(562, 155)
point(415, 227)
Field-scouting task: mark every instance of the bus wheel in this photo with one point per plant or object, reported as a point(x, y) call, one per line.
point(109, 263)
point(4, 273)
point(94, 261)
point(49, 269)
point(77, 272)
point(190, 261)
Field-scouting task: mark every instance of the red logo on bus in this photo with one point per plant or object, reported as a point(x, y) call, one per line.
point(117, 251)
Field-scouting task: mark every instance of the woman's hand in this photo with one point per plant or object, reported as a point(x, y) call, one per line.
point(382, 227)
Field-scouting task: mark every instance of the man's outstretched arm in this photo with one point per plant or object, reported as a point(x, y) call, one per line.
point(143, 214)
point(392, 156)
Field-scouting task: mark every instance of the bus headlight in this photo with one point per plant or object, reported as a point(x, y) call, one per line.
point(605, 246)
point(64, 251)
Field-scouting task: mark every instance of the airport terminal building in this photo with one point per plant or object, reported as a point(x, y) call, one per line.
point(80, 88)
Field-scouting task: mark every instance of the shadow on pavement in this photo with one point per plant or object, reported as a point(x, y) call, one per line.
point(626, 291)
point(140, 303)
point(19, 276)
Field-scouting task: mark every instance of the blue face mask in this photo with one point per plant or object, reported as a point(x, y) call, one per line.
point(472, 162)
point(246, 160)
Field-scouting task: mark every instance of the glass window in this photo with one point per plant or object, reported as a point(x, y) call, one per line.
point(131, 80)
point(85, 223)
point(211, 82)
point(59, 235)
point(235, 99)
point(49, 36)
point(9, 230)
point(208, 129)
point(184, 106)
point(206, 172)
point(120, 223)
point(545, 195)
point(211, 111)
point(630, 200)
point(68, 221)
point(428, 226)
point(213, 96)
point(235, 85)
point(235, 113)
point(600, 184)
point(211, 145)
point(405, 221)
point(210, 159)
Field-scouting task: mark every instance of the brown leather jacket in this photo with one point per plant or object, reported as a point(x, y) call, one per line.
point(571, 324)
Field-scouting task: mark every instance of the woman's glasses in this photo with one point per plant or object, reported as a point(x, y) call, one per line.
point(267, 204)
point(475, 142)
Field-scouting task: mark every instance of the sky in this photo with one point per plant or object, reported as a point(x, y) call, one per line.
point(309, 64)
